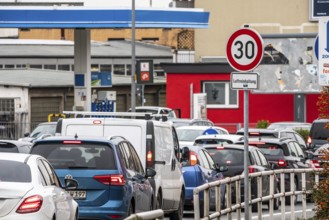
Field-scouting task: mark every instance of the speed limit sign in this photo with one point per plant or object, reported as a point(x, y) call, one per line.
point(244, 49)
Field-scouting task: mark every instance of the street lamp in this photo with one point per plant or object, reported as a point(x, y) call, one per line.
point(133, 58)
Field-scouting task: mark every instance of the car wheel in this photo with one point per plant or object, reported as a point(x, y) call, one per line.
point(158, 204)
point(130, 210)
point(178, 214)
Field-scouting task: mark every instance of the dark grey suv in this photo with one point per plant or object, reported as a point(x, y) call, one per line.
point(319, 134)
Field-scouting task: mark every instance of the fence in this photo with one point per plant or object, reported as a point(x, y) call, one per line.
point(230, 208)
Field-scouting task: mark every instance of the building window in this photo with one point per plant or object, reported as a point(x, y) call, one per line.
point(128, 69)
point(94, 67)
point(65, 67)
point(220, 95)
point(119, 69)
point(9, 66)
point(20, 66)
point(49, 66)
point(106, 68)
point(35, 66)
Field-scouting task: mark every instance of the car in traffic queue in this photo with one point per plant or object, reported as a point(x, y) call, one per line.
point(187, 134)
point(40, 131)
point(112, 181)
point(276, 133)
point(285, 153)
point(232, 156)
point(219, 139)
point(30, 189)
point(14, 146)
point(198, 169)
point(319, 134)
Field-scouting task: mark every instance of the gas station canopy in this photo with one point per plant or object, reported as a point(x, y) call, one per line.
point(83, 17)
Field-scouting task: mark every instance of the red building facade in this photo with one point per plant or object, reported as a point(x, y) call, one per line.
point(182, 79)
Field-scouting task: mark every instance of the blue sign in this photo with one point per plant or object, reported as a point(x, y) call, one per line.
point(79, 80)
point(210, 131)
point(101, 79)
point(316, 47)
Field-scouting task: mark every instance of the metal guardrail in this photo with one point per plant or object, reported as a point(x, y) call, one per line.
point(155, 214)
point(230, 208)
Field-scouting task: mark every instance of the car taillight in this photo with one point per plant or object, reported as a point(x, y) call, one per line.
point(220, 147)
point(282, 163)
point(112, 180)
point(193, 158)
point(315, 164)
point(71, 142)
point(251, 170)
point(30, 204)
point(149, 159)
point(309, 140)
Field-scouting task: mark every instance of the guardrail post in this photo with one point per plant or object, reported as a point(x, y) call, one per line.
point(206, 202)
point(292, 197)
point(283, 198)
point(229, 199)
point(238, 197)
point(218, 199)
point(196, 204)
point(259, 194)
point(272, 192)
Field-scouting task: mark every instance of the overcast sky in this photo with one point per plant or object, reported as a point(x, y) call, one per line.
point(107, 3)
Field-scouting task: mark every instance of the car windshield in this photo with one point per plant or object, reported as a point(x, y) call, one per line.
point(75, 156)
point(13, 171)
point(188, 135)
point(228, 157)
point(43, 129)
point(271, 150)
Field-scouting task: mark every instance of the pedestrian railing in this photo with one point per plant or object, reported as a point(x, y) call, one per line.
point(236, 182)
point(155, 214)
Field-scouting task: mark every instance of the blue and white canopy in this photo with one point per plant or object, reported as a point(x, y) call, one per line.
point(93, 18)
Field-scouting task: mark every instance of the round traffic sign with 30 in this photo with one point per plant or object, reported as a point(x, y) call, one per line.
point(244, 49)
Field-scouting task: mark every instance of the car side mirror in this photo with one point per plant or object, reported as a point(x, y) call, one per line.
point(71, 184)
point(185, 154)
point(150, 172)
point(26, 134)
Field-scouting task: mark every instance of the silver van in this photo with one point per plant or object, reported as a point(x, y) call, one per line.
point(155, 142)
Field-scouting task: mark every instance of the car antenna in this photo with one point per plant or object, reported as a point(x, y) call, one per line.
point(76, 136)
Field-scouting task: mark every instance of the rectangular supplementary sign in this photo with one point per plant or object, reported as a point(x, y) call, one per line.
point(318, 8)
point(248, 80)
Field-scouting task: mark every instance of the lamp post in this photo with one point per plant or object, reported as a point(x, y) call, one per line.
point(133, 58)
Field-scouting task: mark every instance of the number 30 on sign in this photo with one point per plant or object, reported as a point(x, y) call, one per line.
point(244, 49)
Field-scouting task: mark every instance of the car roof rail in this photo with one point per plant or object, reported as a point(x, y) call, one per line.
point(115, 136)
point(131, 115)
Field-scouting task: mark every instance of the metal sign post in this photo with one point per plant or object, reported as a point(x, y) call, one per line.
point(244, 52)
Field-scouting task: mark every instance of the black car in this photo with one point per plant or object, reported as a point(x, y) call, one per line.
point(232, 156)
point(285, 153)
point(319, 133)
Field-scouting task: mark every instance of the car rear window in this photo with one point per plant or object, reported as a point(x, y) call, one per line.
point(270, 149)
point(75, 156)
point(319, 131)
point(13, 171)
point(212, 141)
point(8, 147)
point(226, 156)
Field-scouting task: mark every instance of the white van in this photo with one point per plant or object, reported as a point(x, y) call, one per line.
point(157, 145)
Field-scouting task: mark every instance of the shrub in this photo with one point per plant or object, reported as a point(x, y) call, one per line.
point(321, 192)
point(262, 124)
point(303, 132)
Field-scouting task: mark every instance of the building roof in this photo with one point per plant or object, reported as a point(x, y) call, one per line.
point(53, 78)
point(17, 48)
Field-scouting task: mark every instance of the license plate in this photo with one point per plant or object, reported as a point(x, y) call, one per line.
point(78, 194)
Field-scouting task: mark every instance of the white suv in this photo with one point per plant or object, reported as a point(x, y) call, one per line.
point(155, 142)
